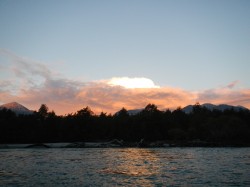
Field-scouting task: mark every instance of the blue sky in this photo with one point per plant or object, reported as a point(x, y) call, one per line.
point(192, 45)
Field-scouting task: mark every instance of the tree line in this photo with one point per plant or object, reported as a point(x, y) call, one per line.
point(227, 127)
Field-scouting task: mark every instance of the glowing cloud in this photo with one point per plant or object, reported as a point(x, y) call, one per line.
point(67, 96)
point(137, 82)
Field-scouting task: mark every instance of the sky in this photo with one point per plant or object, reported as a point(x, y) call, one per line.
point(113, 54)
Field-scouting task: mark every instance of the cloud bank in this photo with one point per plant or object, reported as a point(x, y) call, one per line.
point(31, 83)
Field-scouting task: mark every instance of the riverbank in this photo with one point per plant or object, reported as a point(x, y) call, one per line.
point(122, 144)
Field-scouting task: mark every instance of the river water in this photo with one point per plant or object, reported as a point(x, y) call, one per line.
point(125, 167)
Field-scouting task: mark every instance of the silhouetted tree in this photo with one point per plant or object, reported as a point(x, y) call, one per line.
point(227, 127)
point(122, 114)
point(43, 111)
point(151, 108)
point(85, 112)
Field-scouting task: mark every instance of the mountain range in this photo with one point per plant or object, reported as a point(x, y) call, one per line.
point(20, 109)
point(188, 109)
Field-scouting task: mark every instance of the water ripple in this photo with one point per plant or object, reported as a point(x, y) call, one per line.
point(125, 167)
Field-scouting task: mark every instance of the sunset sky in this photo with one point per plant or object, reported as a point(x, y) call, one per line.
point(113, 54)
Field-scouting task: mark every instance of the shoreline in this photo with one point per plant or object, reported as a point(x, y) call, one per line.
point(121, 144)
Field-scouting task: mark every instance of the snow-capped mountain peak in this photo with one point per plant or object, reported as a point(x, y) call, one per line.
point(17, 108)
point(209, 106)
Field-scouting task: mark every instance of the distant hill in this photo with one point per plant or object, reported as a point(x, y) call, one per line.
point(188, 109)
point(17, 108)
point(134, 112)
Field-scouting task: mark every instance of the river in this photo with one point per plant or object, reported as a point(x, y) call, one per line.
point(125, 167)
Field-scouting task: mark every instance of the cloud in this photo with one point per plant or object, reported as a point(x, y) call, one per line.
point(23, 73)
point(232, 84)
point(226, 96)
point(23, 67)
point(34, 84)
point(136, 82)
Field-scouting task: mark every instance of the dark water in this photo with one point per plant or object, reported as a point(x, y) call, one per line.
point(125, 167)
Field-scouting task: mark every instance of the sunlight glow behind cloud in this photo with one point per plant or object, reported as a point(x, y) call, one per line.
point(137, 82)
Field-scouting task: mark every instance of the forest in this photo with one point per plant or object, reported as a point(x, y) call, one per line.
point(201, 127)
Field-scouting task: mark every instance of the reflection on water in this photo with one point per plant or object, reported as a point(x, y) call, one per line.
point(134, 162)
point(125, 167)
point(138, 163)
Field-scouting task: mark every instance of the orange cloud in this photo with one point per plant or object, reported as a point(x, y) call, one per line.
point(66, 96)
point(226, 96)
point(111, 99)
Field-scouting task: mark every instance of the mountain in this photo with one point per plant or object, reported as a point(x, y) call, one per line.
point(134, 112)
point(188, 109)
point(17, 108)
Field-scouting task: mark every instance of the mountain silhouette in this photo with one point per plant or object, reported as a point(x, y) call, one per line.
point(17, 108)
point(222, 107)
point(189, 108)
